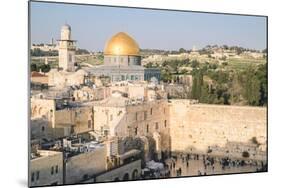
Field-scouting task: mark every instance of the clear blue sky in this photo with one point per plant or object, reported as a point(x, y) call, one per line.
point(92, 26)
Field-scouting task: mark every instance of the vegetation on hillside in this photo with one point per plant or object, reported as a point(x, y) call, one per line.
point(246, 87)
point(38, 52)
point(232, 81)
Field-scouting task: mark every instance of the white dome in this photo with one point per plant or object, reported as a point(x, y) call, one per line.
point(66, 27)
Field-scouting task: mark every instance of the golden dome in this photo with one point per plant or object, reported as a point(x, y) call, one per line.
point(121, 44)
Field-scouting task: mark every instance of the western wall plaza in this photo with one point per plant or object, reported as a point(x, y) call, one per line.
point(120, 120)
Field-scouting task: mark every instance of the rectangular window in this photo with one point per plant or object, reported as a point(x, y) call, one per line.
point(52, 170)
point(156, 126)
point(165, 123)
point(145, 115)
point(57, 169)
point(136, 116)
point(150, 111)
point(89, 123)
point(37, 175)
point(136, 131)
point(32, 177)
point(147, 128)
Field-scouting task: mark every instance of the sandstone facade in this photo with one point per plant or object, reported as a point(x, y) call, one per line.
point(85, 165)
point(201, 127)
point(46, 169)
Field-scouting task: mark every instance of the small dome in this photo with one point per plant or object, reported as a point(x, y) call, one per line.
point(121, 44)
point(66, 26)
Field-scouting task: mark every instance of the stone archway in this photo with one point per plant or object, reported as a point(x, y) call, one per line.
point(146, 148)
point(126, 177)
point(135, 174)
point(34, 111)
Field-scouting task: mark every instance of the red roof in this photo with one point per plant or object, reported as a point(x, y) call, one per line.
point(37, 74)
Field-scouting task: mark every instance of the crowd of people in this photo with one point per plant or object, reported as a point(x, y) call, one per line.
point(208, 163)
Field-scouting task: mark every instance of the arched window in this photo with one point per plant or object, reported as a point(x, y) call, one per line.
point(135, 174)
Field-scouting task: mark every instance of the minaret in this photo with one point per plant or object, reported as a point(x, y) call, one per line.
point(66, 50)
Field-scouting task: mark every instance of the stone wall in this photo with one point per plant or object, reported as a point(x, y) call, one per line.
point(38, 128)
point(89, 94)
point(135, 120)
point(40, 79)
point(148, 118)
point(62, 78)
point(126, 172)
point(43, 108)
point(199, 127)
point(43, 167)
point(81, 119)
point(85, 165)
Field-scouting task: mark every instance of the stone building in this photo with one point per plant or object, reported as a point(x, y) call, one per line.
point(128, 171)
point(62, 79)
point(46, 168)
point(119, 116)
point(62, 117)
point(84, 165)
point(67, 74)
point(39, 128)
point(91, 94)
point(43, 108)
point(38, 78)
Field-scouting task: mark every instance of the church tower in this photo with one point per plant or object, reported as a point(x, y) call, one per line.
point(66, 50)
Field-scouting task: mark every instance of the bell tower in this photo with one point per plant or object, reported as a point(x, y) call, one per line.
point(66, 50)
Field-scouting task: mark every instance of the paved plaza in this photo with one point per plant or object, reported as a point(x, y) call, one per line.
point(196, 167)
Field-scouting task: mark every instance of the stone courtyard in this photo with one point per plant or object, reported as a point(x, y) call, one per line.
point(198, 165)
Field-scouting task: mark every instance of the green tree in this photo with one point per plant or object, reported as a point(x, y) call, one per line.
point(182, 50)
point(262, 77)
point(166, 76)
point(33, 67)
point(194, 64)
point(251, 87)
point(45, 68)
point(197, 84)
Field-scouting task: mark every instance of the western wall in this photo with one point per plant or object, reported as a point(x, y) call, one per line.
point(218, 129)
